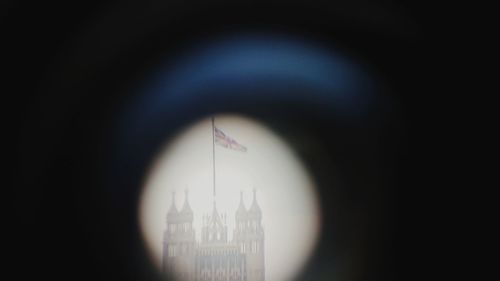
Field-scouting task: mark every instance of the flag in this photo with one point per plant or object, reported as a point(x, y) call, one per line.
point(226, 141)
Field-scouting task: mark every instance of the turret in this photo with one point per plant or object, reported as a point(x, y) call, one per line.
point(249, 236)
point(241, 212)
point(255, 212)
point(186, 214)
point(172, 213)
point(179, 240)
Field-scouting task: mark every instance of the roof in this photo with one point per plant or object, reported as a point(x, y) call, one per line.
point(241, 212)
point(172, 212)
point(186, 208)
point(255, 208)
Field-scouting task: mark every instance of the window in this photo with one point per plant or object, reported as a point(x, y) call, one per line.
point(171, 250)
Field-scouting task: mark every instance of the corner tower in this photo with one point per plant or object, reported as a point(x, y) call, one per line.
point(179, 246)
point(249, 235)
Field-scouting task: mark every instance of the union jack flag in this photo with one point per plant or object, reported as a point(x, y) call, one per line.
point(226, 141)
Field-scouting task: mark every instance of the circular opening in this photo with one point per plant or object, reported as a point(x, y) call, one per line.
point(228, 198)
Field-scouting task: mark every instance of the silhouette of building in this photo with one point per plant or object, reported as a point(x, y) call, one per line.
point(214, 258)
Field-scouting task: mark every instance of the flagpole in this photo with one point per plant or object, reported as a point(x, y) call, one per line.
point(213, 153)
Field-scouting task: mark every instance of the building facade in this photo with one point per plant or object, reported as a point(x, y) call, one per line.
point(215, 258)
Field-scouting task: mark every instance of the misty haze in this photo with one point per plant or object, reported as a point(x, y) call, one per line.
point(228, 199)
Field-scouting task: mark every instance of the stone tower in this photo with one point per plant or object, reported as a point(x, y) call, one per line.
point(179, 244)
point(249, 236)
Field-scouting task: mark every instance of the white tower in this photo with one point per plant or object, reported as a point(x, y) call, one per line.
point(179, 246)
point(249, 235)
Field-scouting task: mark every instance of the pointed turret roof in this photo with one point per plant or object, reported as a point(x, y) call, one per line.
point(186, 214)
point(172, 212)
point(255, 208)
point(241, 213)
point(186, 209)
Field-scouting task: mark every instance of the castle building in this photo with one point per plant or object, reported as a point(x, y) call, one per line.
point(214, 258)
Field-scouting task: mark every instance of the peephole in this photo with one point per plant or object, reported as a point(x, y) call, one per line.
point(216, 140)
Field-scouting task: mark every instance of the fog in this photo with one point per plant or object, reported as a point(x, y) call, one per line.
point(285, 191)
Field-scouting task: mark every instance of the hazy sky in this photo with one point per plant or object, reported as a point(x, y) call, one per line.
point(285, 191)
